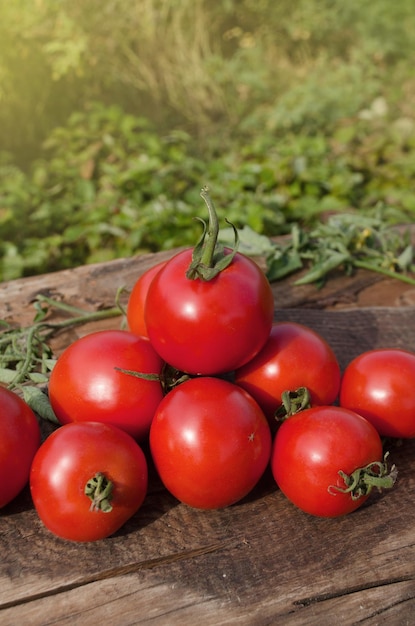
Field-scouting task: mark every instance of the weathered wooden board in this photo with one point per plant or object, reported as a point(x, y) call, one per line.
point(259, 562)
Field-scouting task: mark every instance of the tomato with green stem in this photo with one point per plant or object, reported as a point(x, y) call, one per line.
point(209, 310)
point(294, 356)
point(327, 459)
point(19, 440)
point(87, 480)
point(88, 382)
point(210, 442)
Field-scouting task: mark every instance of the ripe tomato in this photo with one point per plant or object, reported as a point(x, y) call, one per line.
point(85, 385)
point(380, 385)
point(294, 356)
point(312, 447)
point(210, 442)
point(81, 453)
point(19, 440)
point(136, 301)
point(209, 326)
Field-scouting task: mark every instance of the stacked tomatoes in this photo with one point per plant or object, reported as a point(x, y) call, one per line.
point(218, 392)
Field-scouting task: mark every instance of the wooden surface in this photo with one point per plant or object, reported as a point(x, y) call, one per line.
point(259, 562)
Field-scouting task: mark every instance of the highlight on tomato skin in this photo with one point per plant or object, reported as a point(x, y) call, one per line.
point(71, 462)
point(318, 453)
point(379, 384)
point(210, 443)
point(293, 357)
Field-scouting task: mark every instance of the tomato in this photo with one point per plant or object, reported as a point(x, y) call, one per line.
point(209, 326)
point(19, 440)
point(294, 356)
point(313, 446)
point(380, 385)
point(85, 385)
point(90, 453)
point(210, 442)
point(136, 301)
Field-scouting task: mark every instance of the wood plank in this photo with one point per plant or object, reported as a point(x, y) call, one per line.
point(259, 562)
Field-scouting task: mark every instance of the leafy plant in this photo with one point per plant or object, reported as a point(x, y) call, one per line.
point(345, 242)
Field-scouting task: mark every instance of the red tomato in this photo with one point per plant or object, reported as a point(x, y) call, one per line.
point(209, 327)
point(380, 385)
point(312, 447)
point(68, 459)
point(19, 440)
point(136, 301)
point(85, 385)
point(210, 442)
point(294, 356)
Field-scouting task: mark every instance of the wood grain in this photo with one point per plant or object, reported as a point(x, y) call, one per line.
point(259, 562)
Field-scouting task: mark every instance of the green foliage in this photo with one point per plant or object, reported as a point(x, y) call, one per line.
point(110, 185)
point(288, 111)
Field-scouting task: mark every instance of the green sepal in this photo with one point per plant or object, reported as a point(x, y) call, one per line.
point(293, 402)
point(99, 491)
point(361, 482)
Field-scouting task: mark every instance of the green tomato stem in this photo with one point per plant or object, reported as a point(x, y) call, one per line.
point(212, 231)
point(361, 482)
point(209, 258)
point(99, 491)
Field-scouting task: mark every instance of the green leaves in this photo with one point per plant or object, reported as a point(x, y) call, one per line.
point(39, 402)
point(25, 354)
point(344, 242)
point(112, 185)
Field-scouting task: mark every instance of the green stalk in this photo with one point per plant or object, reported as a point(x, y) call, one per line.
point(211, 239)
point(382, 270)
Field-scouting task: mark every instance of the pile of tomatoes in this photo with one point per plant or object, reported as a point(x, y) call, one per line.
point(217, 391)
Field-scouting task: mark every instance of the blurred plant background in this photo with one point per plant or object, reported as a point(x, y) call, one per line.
point(113, 115)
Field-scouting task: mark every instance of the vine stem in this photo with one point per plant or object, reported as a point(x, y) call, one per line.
point(94, 316)
point(36, 337)
point(382, 270)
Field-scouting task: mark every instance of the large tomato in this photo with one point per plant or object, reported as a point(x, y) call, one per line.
point(209, 326)
point(19, 440)
point(210, 442)
point(137, 299)
point(380, 385)
point(294, 356)
point(85, 384)
point(316, 454)
point(88, 458)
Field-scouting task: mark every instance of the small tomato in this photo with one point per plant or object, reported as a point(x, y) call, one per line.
point(87, 479)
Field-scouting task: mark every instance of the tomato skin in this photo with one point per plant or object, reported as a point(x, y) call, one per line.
point(380, 385)
point(19, 439)
point(64, 463)
point(210, 443)
point(209, 327)
point(311, 447)
point(294, 356)
point(136, 302)
point(84, 384)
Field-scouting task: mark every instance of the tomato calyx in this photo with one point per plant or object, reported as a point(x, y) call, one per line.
point(361, 482)
point(293, 402)
point(99, 491)
point(209, 258)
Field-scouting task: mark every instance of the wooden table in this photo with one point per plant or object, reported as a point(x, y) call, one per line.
point(259, 562)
